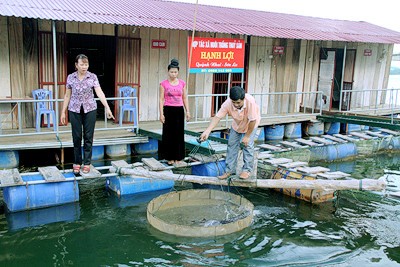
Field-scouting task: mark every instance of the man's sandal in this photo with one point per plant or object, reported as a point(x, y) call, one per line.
point(224, 176)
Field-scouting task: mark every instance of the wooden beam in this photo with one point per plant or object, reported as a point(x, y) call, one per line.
point(363, 184)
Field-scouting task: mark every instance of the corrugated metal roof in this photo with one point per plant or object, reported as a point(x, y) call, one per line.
point(174, 15)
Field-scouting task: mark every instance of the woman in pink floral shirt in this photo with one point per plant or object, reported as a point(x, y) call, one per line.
point(82, 109)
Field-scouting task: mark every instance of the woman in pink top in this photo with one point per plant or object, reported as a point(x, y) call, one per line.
point(173, 103)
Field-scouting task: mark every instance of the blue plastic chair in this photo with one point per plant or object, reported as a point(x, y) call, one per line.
point(44, 108)
point(128, 105)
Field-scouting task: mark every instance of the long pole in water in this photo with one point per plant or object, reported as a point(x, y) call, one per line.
point(363, 184)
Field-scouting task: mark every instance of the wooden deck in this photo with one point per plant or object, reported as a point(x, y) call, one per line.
point(115, 135)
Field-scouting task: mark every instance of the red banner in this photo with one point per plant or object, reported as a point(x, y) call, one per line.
point(216, 55)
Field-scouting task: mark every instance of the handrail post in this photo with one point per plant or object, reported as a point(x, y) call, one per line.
point(55, 120)
point(19, 117)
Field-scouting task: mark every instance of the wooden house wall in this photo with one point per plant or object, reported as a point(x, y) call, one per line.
point(153, 66)
point(294, 71)
point(5, 73)
point(272, 73)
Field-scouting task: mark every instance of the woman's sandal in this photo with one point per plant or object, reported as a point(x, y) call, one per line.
point(86, 169)
point(76, 168)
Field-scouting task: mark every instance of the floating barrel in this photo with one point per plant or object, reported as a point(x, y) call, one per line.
point(97, 152)
point(209, 169)
point(126, 185)
point(333, 152)
point(118, 150)
point(274, 132)
point(332, 127)
point(315, 128)
point(260, 134)
point(216, 134)
point(293, 130)
point(9, 159)
point(150, 147)
point(63, 213)
point(395, 143)
point(342, 151)
point(349, 127)
point(42, 195)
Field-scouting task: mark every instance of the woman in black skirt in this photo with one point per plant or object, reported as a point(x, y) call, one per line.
point(173, 104)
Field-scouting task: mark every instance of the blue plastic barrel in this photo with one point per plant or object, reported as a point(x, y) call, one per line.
point(150, 147)
point(97, 152)
point(63, 213)
point(318, 153)
point(315, 128)
point(332, 127)
point(349, 127)
point(209, 169)
point(274, 132)
point(216, 134)
point(118, 150)
point(395, 143)
point(293, 130)
point(35, 196)
point(9, 159)
point(126, 185)
point(333, 152)
point(260, 134)
point(341, 151)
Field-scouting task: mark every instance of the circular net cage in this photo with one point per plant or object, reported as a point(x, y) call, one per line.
point(200, 213)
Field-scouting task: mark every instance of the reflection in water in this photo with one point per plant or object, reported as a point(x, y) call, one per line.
point(63, 213)
point(359, 229)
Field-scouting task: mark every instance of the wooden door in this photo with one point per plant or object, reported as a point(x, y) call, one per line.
point(345, 98)
point(326, 77)
point(127, 67)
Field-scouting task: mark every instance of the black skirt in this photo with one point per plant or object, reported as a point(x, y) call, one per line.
point(173, 140)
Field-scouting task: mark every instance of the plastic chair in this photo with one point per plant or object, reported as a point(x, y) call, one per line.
point(44, 108)
point(128, 105)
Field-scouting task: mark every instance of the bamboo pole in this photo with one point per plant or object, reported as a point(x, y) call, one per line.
point(363, 184)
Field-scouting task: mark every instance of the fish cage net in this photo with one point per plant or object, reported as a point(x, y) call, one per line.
point(200, 213)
